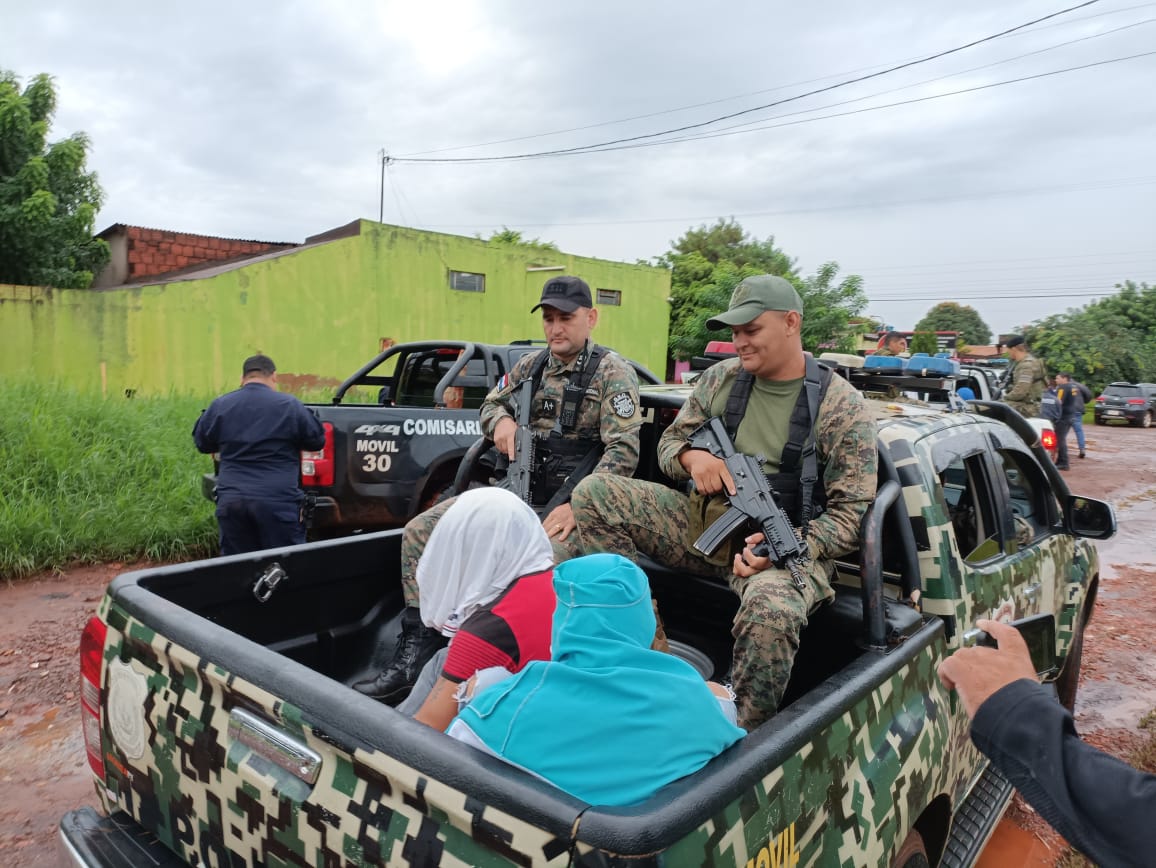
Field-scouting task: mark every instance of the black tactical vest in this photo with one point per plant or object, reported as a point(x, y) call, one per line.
point(798, 485)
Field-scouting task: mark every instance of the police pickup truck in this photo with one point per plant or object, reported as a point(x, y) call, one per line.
point(396, 430)
point(220, 729)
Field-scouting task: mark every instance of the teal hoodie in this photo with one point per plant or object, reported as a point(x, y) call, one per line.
point(606, 719)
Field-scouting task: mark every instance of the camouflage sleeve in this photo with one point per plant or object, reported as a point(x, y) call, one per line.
point(1022, 379)
point(497, 404)
point(846, 440)
point(694, 412)
point(621, 419)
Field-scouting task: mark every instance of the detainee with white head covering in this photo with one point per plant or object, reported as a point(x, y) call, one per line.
point(485, 579)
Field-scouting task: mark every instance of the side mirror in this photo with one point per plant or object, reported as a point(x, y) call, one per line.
point(1089, 518)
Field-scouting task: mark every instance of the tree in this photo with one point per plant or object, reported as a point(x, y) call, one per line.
point(705, 265)
point(48, 200)
point(1113, 339)
point(924, 342)
point(950, 316)
point(708, 262)
point(507, 237)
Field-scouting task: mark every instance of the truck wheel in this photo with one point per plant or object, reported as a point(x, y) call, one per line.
point(913, 853)
point(1146, 420)
point(1099, 421)
point(1069, 681)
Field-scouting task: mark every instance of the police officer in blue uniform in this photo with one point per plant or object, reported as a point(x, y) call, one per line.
point(259, 434)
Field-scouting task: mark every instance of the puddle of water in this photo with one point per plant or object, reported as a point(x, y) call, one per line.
point(1106, 704)
point(1011, 845)
point(1132, 545)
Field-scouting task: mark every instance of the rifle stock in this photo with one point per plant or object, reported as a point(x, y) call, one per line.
point(754, 499)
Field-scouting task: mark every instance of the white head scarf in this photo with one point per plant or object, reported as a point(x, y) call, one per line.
point(484, 541)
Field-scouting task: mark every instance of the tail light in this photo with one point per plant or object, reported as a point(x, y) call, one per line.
point(91, 658)
point(1137, 401)
point(1048, 438)
point(317, 467)
point(1100, 399)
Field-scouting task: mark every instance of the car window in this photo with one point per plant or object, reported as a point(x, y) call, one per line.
point(1032, 503)
point(421, 372)
point(971, 507)
point(1123, 391)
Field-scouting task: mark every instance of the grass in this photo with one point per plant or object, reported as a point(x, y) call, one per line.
point(89, 479)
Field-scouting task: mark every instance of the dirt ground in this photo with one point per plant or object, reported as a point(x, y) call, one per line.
point(44, 773)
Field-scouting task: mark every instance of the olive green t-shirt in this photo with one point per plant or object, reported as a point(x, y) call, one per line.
point(766, 424)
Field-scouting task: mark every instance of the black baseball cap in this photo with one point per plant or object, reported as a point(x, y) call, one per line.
point(565, 293)
point(258, 364)
point(1014, 341)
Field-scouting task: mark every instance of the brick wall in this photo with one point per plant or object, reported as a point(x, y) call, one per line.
point(152, 252)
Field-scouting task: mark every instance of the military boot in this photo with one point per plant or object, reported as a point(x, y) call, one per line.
point(416, 644)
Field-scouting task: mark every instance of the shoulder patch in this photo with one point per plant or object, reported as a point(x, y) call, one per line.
point(623, 404)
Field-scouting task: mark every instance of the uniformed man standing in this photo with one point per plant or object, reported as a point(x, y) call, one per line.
point(818, 439)
point(585, 405)
point(1027, 377)
point(894, 344)
point(259, 434)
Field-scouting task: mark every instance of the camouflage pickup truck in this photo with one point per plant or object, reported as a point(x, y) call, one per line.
point(220, 729)
point(396, 430)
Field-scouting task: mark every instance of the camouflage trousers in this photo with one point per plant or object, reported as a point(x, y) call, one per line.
point(628, 516)
point(1027, 409)
point(417, 533)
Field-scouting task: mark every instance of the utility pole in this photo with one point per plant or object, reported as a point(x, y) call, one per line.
point(381, 203)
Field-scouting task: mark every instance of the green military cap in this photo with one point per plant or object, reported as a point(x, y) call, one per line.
point(753, 296)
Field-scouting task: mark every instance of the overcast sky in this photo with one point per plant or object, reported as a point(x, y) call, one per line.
point(265, 120)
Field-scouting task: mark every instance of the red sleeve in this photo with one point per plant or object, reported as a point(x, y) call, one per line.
point(468, 653)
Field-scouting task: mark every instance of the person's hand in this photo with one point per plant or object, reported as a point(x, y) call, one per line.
point(747, 563)
point(710, 474)
point(977, 673)
point(504, 433)
point(560, 522)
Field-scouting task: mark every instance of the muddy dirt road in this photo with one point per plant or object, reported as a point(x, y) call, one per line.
point(43, 771)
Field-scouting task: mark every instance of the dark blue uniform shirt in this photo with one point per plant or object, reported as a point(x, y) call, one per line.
point(259, 434)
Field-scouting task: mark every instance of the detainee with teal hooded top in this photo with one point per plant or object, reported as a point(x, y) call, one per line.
point(606, 719)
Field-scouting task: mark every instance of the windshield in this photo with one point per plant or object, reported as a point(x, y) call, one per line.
point(1123, 391)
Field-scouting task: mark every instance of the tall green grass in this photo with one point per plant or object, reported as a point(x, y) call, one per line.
point(89, 479)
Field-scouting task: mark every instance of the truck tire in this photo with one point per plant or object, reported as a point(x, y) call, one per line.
point(913, 853)
point(1069, 680)
point(1146, 420)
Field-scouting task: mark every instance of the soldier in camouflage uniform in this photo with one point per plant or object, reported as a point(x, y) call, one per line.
point(893, 345)
point(1027, 377)
point(608, 416)
point(626, 516)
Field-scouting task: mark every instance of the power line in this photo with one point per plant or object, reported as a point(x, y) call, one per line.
point(749, 94)
point(686, 127)
point(1090, 293)
point(1086, 186)
point(1015, 259)
point(912, 101)
point(747, 124)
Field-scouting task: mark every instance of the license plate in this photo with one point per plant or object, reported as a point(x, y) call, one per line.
point(1113, 413)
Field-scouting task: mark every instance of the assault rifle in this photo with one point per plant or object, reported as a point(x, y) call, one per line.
point(753, 500)
point(521, 468)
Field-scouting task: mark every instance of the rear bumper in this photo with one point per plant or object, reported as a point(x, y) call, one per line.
point(90, 840)
point(1119, 414)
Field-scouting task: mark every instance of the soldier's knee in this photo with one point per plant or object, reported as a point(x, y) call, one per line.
point(589, 493)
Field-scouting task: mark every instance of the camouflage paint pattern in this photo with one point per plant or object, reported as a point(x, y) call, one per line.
point(216, 802)
point(848, 796)
point(1028, 380)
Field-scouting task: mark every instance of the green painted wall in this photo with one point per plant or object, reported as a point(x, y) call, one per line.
point(319, 311)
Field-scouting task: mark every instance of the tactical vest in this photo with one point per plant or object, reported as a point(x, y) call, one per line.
point(798, 485)
point(557, 456)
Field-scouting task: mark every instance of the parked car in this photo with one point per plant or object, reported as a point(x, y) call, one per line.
point(1134, 403)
